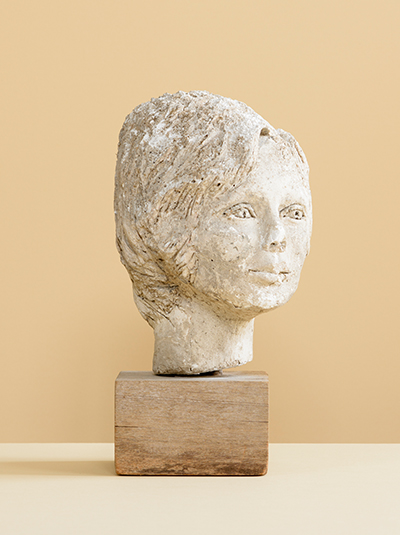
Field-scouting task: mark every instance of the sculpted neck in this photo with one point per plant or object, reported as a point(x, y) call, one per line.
point(196, 339)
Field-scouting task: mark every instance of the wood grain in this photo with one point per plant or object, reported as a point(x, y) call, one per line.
point(197, 425)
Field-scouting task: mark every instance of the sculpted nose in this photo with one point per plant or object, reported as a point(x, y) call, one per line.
point(275, 241)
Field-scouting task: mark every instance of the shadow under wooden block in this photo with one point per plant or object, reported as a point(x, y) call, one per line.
point(192, 425)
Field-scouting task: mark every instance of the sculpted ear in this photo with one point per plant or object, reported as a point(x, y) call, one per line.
point(137, 257)
point(186, 263)
point(178, 254)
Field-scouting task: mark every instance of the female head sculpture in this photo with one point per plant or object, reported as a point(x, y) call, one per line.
point(213, 224)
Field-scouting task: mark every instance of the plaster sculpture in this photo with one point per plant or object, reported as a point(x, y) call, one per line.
point(213, 223)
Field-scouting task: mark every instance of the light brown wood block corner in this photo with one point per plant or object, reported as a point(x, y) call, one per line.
point(198, 425)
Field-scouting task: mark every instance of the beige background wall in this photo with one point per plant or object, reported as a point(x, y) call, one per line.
point(326, 71)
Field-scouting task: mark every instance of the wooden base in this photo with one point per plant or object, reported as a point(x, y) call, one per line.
point(197, 425)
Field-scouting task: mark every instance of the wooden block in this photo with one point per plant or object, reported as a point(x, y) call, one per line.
point(197, 425)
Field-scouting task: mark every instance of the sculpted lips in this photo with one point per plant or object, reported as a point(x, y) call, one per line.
point(270, 277)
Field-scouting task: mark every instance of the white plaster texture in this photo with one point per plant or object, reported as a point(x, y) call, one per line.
point(213, 221)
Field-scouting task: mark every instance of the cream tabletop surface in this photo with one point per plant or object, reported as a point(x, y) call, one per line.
point(309, 489)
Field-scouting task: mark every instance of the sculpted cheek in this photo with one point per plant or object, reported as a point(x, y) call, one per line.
point(223, 245)
point(235, 248)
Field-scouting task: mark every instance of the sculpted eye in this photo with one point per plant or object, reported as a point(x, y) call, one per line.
point(240, 211)
point(294, 211)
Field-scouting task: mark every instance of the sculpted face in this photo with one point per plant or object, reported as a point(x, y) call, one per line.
point(252, 242)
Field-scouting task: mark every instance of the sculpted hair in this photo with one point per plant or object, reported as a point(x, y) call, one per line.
point(173, 152)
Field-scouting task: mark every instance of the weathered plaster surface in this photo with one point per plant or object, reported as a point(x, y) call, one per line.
point(213, 220)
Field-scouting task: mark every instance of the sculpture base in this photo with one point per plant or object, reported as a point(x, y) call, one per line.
point(213, 425)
